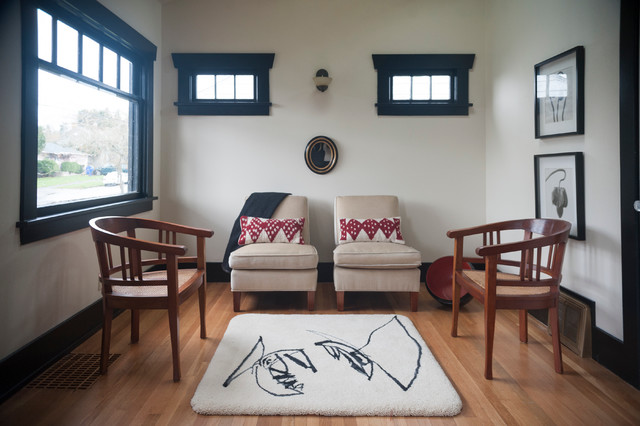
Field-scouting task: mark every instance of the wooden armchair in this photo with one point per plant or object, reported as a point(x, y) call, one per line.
point(534, 286)
point(127, 283)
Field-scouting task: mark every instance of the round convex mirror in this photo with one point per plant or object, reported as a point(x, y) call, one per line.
point(321, 155)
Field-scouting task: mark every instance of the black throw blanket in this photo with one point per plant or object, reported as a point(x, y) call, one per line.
point(259, 204)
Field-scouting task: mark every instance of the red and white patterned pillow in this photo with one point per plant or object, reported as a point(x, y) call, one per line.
point(386, 229)
point(261, 230)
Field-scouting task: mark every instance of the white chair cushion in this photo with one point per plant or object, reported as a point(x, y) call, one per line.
point(274, 256)
point(376, 255)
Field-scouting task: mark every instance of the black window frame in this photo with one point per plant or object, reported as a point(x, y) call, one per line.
point(94, 20)
point(190, 65)
point(456, 66)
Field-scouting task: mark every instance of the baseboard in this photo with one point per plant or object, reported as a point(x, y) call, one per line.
point(215, 273)
point(26, 363)
point(609, 351)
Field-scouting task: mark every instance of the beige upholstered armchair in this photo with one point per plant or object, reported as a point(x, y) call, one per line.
point(277, 266)
point(371, 254)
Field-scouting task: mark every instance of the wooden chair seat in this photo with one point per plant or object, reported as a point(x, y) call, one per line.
point(185, 278)
point(509, 289)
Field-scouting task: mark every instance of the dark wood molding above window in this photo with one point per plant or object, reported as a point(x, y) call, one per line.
point(410, 68)
point(231, 66)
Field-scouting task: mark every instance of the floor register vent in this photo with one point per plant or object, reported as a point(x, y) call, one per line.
point(575, 323)
point(73, 372)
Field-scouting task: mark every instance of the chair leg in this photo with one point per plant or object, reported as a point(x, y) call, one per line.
point(340, 300)
point(489, 330)
point(524, 329)
point(555, 337)
point(202, 299)
point(455, 307)
point(237, 295)
point(106, 340)
point(414, 301)
point(135, 325)
point(311, 300)
point(175, 341)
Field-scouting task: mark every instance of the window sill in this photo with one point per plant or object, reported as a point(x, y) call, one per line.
point(57, 224)
point(418, 109)
point(223, 108)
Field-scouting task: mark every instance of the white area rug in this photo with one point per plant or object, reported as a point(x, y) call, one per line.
point(331, 365)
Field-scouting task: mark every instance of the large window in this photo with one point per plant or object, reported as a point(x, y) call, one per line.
point(429, 84)
point(223, 83)
point(87, 117)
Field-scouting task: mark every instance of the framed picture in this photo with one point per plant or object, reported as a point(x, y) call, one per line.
point(559, 92)
point(559, 186)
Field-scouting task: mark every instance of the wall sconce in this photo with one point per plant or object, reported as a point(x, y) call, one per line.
point(322, 80)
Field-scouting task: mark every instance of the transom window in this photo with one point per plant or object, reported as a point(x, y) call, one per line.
point(421, 88)
point(86, 117)
point(223, 83)
point(423, 84)
point(221, 86)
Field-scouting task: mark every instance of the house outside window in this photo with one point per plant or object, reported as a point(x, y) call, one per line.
point(87, 117)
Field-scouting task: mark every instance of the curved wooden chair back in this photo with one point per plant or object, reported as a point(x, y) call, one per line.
point(522, 274)
point(137, 273)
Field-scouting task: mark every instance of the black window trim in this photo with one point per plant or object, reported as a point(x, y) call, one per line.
point(104, 27)
point(455, 65)
point(190, 65)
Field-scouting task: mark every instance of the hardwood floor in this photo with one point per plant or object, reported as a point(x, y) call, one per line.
point(139, 389)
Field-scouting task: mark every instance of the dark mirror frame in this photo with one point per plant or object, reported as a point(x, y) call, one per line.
point(314, 155)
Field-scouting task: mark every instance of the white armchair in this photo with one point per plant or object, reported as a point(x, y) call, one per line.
point(277, 266)
point(372, 265)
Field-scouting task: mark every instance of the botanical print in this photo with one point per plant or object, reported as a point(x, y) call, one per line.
point(558, 99)
point(559, 189)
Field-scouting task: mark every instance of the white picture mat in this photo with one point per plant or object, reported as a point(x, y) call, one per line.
point(547, 126)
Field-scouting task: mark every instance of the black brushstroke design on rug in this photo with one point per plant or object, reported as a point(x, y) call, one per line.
point(273, 370)
point(363, 359)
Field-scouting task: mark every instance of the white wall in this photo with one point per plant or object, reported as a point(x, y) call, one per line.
point(46, 282)
point(520, 34)
point(210, 163)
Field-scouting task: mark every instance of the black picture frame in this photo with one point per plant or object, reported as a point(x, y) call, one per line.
point(321, 155)
point(559, 95)
point(559, 189)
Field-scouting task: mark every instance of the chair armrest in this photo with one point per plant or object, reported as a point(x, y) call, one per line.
point(464, 232)
point(497, 249)
point(174, 227)
point(134, 243)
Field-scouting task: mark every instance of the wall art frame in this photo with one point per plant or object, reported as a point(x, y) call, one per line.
point(321, 155)
point(559, 189)
point(559, 95)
